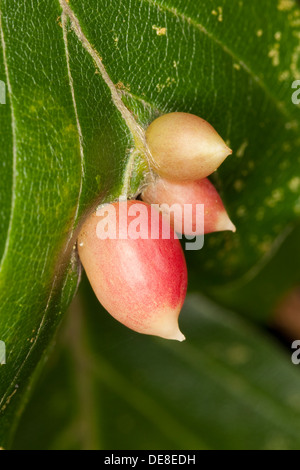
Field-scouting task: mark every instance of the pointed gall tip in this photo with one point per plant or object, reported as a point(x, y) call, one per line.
point(221, 153)
point(178, 336)
point(228, 150)
point(169, 330)
point(233, 228)
point(225, 224)
point(224, 151)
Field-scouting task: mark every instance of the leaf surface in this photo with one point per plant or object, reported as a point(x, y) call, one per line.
point(84, 79)
point(228, 386)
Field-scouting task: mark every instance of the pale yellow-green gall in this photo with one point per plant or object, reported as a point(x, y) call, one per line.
point(184, 147)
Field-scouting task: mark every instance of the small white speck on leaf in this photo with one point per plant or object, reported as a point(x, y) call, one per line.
point(291, 125)
point(238, 185)
point(278, 35)
point(294, 184)
point(265, 245)
point(285, 5)
point(218, 13)
point(274, 55)
point(241, 150)
point(283, 76)
point(297, 207)
point(159, 30)
point(276, 196)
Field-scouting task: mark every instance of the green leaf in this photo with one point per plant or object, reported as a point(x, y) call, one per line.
point(257, 294)
point(240, 82)
point(84, 78)
point(227, 387)
point(48, 181)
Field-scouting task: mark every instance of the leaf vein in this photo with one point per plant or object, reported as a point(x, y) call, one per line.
point(80, 136)
point(174, 11)
point(137, 131)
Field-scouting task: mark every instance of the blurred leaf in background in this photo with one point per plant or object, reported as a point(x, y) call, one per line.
point(227, 387)
point(83, 79)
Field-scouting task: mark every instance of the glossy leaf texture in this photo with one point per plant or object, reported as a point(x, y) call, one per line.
point(47, 131)
point(229, 386)
point(235, 70)
point(83, 79)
